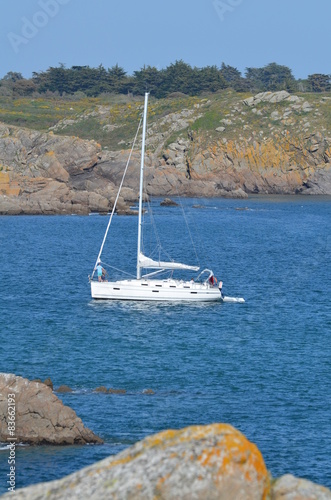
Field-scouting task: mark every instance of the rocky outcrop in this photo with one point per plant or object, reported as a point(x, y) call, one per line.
point(40, 417)
point(201, 462)
point(284, 166)
point(270, 143)
point(289, 487)
point(272, 97)
point(47, 174)
point(318, 183)
point(284, 157)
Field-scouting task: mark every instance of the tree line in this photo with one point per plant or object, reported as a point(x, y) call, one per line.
point(178, 77)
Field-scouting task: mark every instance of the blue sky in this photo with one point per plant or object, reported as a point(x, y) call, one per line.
point(36, 34)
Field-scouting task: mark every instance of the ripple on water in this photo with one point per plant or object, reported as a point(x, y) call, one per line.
point(263, 366)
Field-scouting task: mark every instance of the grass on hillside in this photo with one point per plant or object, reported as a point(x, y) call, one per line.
point(124, 112)
point(92, 116)
point(40, 113)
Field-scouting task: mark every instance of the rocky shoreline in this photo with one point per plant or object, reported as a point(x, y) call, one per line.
point(40, 417)
point(45, 173)
point(202, 462)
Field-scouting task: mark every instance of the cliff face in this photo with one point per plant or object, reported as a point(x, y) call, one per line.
point(223, 146)
point(48, 174)
point(265, 145)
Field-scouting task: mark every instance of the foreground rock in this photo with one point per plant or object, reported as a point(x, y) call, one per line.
point(41, 418)
point(289, 487)
point(211, 462)
point(197, 463)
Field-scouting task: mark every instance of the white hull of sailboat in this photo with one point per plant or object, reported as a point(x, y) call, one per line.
point(155, 290)
point(147, 289)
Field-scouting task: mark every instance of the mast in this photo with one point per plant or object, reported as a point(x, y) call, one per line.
point(141, 185)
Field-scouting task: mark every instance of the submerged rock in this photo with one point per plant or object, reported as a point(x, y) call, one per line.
point(48, 382)
point(148, 391)
point(102, 388)
point(64, 388)
point(167, 202)
point(40, 417)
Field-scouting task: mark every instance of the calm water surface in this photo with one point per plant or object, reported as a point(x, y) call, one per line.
point(263, 366)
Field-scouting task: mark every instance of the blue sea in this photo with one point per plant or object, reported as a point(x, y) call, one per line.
point(263, 366)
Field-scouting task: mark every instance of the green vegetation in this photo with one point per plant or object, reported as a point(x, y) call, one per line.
point(209, 121)
point(112, 119)
point(178, 77)
point(40, 113)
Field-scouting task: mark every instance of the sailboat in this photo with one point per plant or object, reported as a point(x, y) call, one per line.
point(148, 286)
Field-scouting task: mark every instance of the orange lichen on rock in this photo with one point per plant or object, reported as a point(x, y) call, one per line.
point(214, 458)
point(7, 187)
point(233, 450)
point(214, 462)
point(161, 439)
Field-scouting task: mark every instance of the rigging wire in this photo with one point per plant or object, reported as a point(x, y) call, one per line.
point(187, 225)
point(154, 227)
point(119, 270)
point(203, 250)
point(159, 248)
point(116, 200)
point(152, 222)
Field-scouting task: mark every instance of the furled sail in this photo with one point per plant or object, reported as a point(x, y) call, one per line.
point(148, 263)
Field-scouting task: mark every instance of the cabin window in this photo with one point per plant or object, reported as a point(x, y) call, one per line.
point(144, 284)
point(194, 292)
point(116, 288)
point(156, 291)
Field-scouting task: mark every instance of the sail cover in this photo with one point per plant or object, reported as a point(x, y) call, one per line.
point(148, 263)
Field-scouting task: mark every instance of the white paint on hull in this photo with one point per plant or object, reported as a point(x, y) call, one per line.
point(156, 290)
